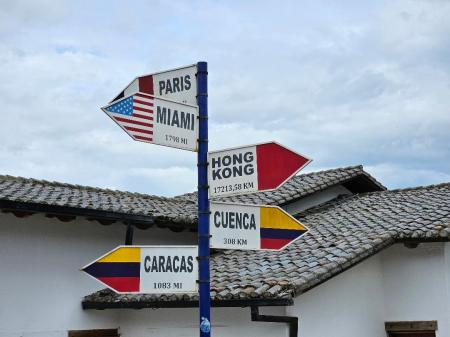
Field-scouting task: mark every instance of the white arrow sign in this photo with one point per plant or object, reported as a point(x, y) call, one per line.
point(256, 227)
point(147, 269)
point(156, 120)
point(175, 84)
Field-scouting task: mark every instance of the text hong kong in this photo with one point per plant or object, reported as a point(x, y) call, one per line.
point(232, 171)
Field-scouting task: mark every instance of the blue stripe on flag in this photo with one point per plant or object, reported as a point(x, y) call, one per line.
point(124, 107)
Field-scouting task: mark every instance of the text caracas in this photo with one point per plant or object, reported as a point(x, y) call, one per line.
point(168, 264)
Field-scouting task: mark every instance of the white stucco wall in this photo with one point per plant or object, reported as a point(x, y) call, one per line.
point(399, 284)
point(227, 322)
point(346, 306)
point(416, 284)
point(41, 286)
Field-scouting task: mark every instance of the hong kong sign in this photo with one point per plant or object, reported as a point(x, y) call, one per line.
point(252, 227)
point(147, 269)
point(252, 168)
point(156, 120)
point(176, 85)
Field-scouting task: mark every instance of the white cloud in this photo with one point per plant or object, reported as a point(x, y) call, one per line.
point(342, 84)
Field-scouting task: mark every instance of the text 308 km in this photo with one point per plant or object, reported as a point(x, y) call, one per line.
point(233, 188)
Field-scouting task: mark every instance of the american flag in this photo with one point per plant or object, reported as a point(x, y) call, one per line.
point(135, 115)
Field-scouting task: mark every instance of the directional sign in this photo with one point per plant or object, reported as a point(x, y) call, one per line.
point(252, 227)
point(176, 84)
point(252, 168)
point(156, 120)
point(147, 269)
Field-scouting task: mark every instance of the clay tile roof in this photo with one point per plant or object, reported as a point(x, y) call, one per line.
point(300, 186)
point(179, 210)
point(342, 233)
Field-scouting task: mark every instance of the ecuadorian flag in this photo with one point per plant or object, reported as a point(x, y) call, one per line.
point(278, 229)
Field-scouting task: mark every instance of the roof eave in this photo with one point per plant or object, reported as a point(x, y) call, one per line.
point(239, 303)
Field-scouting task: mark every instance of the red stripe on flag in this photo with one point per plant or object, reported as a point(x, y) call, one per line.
point(122, 284)
point(124, 120)
point(143, 95)
point(129, 128)
point(276, 164)
point(147, 139)
point(142, 109)
point(274, 243)
point(146, 84)
point(143, 116)
point(143, 102)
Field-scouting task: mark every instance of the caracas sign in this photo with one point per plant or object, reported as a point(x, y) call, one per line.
point(147, 269)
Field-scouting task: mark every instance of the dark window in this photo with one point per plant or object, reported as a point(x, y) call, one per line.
point(94, 333)
point(411, 329)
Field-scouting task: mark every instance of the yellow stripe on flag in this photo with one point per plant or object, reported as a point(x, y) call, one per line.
point(272, 217)
point(123, 254)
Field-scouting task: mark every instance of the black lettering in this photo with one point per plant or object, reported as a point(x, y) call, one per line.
point(216, 174)
point(187, 82)
point(248, 169)
point(192, 122)
point(239, 220)
point(168, 87)
point(147, 266)
point(226, 172)
point(176, 83)
point(161, 264)
point(169, 265)
point(231, 216)
point(185, 120)
point(175, 264)
point(162, 86)
point(215, 161)
point(246, 224)
point(216, 219)
point(175, 120)
point(224, 219)
point(154, 264)
point(183, 264)
point(190, 266)
point(237, 158)
point(226, 160)
point(248, 157)
point(252, 222)
point(237, 171)
point(161, 115)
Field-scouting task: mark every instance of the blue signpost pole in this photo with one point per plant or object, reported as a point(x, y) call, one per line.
point(203, 202)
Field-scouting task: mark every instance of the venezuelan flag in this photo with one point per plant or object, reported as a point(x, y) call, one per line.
point(278, 229)
point(119, 269)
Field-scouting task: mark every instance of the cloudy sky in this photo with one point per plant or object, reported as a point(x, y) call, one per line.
point(343, 82)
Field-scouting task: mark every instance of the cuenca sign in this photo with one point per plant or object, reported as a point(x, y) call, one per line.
point(156, 120)
point(147, 269)
point(176, 84)
point(252, 168)
point(252, 227)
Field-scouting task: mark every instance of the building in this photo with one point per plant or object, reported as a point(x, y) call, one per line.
point(376, 262)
